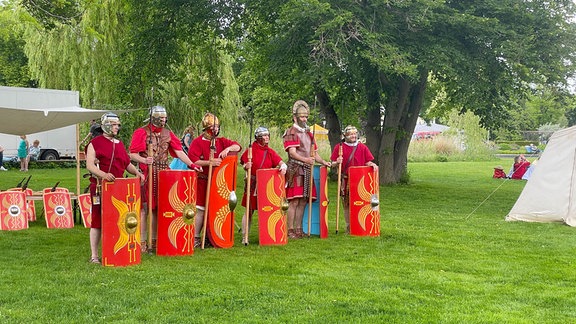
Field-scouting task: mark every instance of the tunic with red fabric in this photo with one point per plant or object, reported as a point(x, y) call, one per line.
point(263, 157)
point(361, 156)
point(164, 142)
point(112, 158)
point(298, 173)
point(519, 169)
point(200, 150)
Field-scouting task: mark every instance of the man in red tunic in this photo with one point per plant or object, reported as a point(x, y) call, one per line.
point(199, 153)
point(106, 158)
point(263, 157)
point(354, 153)
point(301, 147)
point(160, 141)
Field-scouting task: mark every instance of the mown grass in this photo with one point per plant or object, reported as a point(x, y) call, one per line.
point(445, 254)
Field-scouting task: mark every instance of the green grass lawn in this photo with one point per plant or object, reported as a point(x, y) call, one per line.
point(445, 254)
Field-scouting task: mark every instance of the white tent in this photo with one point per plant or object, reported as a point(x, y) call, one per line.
point(550, 193)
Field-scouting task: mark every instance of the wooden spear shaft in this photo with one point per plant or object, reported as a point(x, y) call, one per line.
point(340, 153)
point(248, 196)
point(208, 188)
point(150, 190)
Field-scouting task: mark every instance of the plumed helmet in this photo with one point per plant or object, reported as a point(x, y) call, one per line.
point(156, 113)
point(350, 130)
point(300, 108)
point(106, 122)
point(261, 131)
point(209, 120)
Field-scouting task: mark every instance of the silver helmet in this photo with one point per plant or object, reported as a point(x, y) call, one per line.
point(106, 122)
point(156, 113)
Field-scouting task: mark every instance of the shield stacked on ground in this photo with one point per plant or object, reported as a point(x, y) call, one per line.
point(272, 207)
point(364, 201)
point(319, 225)
point(30, 206)
point(222, 202)
point(121, 222)
point(85, 204)
point(13, 215)
point(176, 211)
point(58, 208)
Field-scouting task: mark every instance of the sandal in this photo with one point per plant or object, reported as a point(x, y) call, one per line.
point(95, 260)
point(143, 247)
point(292, 234)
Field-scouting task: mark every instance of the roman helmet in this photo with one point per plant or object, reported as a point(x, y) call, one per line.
point(106, 122)
point(259, 133)
point(300, 108)
point(348, 132)
point(210, 125)
point(156, 113)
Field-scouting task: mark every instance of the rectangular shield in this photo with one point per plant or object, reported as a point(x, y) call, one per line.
point(176, 211)
point(58, 209)
point(85, 204)
point(319, 224)
point(222, 202)
point(13, 216)
point(30, 206)
point(120, 205)
point(272, 207)
point(364, 201)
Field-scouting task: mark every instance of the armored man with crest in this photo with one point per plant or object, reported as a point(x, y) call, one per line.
point(301, 147)
point(151, 145)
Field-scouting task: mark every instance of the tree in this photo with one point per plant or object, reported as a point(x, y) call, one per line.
point(13, 62)
point(380, 56)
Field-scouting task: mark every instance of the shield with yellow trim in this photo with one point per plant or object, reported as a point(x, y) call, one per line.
point(85, 203)
point(176, 211)
point(13, 216)
point(364, 201)
point(222, 202)
point(120, 205)
point(30, 206)
point(272, 207)
point(319, 224)
point(58, 209)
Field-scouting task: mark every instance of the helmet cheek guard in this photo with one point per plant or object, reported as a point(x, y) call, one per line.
point(300, 108)
point(260, 133)
point(209, 123)
point(107, 121)
point(156, 115)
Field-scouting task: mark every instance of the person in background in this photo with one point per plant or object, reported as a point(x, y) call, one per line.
point(200, 154)
point(34, 151)
point(300, 144)
point(263, 157)
point(2, 168)
point(354, 153)
point(106, 158)
point(23, 153)
point(519, 168)
point(161, 142)
point(186, 139)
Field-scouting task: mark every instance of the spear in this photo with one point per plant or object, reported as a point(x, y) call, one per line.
point(212, 151)
point(340, 153)
point(312, 154)
point(55, 186)
point(150, 184)
point(248, 185)
point(19, 185)
point(26, 183)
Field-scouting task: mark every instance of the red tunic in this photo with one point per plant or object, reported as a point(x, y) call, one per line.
point(200, 150)
point(298, 174)
point(362, 155)
point(112, 158)
point(263, 157)
point(519, 169)
point(164, 142)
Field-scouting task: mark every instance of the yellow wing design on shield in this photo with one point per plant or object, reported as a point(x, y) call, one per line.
point(275, 200)
point(177, 223)
point(224, 192)
point(122, 209)
point(367, 208)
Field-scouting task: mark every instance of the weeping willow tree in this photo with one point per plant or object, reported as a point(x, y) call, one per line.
point(134, 54)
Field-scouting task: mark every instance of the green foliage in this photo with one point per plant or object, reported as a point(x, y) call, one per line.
point(449, 256)
point(13, 62)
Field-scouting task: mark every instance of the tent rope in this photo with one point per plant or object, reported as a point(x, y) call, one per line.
point(475, 209)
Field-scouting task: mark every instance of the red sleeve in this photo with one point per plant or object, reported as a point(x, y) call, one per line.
point(275, 157)
point(367, 154)
point(175, 144)
point(138, 143)
point(335, 154)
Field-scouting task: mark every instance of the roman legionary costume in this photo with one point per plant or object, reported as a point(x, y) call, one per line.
point(162, 142)
point(298, 174)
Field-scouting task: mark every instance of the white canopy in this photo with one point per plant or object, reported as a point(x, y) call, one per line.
point(18, 121)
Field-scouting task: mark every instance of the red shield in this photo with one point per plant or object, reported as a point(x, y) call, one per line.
point(121, 222)
point(222, 198)
point(272, 207)
point(30, 206)
point(13, 215)
point(85, 203)
point(58, 210)
point(319, 224)
point(176, 211)
point(364, 201)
